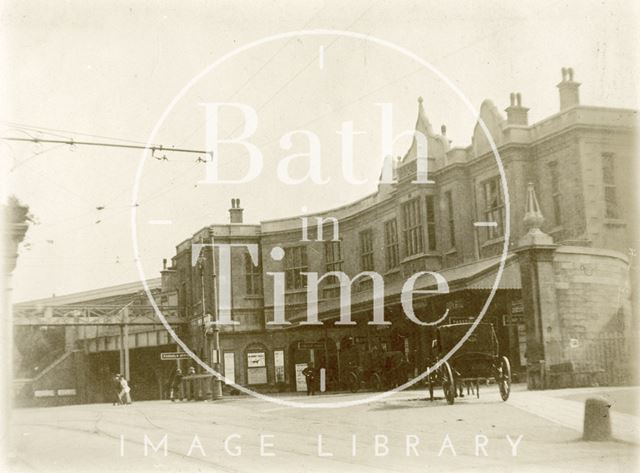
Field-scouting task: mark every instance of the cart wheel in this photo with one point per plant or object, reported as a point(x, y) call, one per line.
point(353, 381)
point(430, 381)
point(376, 382)
point(448, 383)
point(505, 378)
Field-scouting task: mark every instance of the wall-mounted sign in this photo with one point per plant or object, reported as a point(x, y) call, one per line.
point(256, 360)
point(44, 393)
point(517, 307)
point(177, 355)
point(66, 392)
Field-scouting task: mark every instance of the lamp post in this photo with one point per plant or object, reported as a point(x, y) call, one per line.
point(215, 329)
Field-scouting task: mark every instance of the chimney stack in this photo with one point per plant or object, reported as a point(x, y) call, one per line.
point(569, 96)
point(235, 212)
point(516, 113)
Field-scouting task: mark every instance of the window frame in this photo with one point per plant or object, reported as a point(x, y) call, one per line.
point(413, 231)
point(430, 213)
point(253, 276)
point(295, 263)
point(554, 183)
point(331, 261)
point(391, 244)
point(365, 238)
point(610, 194)
point(448, 196)
point(493, 211)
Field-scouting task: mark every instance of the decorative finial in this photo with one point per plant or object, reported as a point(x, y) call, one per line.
point(533, 218)
point(420, 100)
point(443, 129)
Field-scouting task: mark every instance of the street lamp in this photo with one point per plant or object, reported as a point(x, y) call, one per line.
point(214, 327)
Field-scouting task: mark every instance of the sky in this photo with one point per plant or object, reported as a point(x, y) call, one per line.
point(102, 70)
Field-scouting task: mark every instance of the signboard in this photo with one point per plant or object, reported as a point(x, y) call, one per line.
point(301, 381)
point(257, 375)
point(278, 363)
point(255, 360)
point(176, 355)
point(517, 307)
point(230, 366)
point(44, 393)
point(66, 392)
point(310, 345)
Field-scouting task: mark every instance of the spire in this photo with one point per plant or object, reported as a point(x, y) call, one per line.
point(422, 123)
point(437, 146)
point(533, 220)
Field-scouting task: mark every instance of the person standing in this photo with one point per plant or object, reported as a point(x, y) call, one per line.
point(125, 391)
point(117, 388)
point(310, 377)
point(176, 386)
point(191, 384)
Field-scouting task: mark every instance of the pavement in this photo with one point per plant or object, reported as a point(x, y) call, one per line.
point(532, 432)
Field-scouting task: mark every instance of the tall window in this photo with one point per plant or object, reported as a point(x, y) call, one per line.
point(391, 249)
point(555, 191)
point(493, 207)
point(448, 197)
point(366, 250)
point(431, 223)
point(333, 255)
point(253, 276)
point(295, 262)
point(413, 239)
point(609, 182)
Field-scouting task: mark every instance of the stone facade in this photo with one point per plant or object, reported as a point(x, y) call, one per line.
point(579, 162)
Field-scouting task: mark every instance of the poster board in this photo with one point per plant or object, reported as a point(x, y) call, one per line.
point(230, 366)
point(301, 381)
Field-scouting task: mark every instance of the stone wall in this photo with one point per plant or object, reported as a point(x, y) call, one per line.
point(592, 293)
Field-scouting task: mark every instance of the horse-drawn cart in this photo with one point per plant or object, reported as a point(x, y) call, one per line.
point(475, 361)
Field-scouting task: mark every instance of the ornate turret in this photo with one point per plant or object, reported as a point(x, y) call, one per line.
point(533, 220)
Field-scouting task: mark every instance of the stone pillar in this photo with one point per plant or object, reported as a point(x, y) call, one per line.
point(535, 256)
point(14, 222)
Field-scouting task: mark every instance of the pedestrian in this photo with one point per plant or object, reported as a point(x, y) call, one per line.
point(191, 383)
point(310, 377)
point(117, 388)
point(125, 390)
point(176, 386)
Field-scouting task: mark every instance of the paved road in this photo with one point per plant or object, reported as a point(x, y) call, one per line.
point(412, 434)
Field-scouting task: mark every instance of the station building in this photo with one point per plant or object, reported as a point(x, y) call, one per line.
point(563, 295)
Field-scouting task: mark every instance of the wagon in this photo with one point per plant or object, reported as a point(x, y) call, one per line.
point(377, 371)
point(476, 360)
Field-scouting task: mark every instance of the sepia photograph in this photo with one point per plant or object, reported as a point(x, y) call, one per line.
point(319, 236)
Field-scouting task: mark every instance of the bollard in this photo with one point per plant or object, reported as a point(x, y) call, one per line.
point(597, 421)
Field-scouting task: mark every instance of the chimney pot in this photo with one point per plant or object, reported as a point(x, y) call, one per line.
point(516, 113)
point(235, 212)
point(568, 89)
